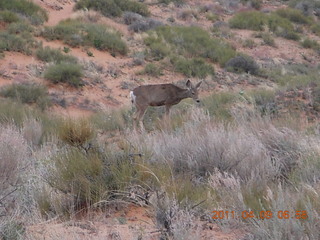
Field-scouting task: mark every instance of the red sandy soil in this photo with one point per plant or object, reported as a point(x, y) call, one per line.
point(130, 223)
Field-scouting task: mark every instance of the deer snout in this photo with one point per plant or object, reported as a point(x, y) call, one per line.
point(197, 100)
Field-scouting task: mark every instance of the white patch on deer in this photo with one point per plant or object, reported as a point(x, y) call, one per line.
point(133, 97)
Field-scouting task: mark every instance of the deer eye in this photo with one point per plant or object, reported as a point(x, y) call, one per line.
point(192, 93)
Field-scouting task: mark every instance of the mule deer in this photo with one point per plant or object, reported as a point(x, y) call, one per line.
point(161, 95)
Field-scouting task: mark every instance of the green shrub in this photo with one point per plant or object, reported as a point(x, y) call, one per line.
point(310, 43)
point(158, 50)
point(8, 16)
point(315, 28)
point(191, 42)
point(65, 73)
point(48, 54)
point(113, 7)
point(76, 33)
point(27, 93)
point(20, 27)
point(282, 27)
point(80, 175)
point(17, 43)
point(293, 15)
point(35, 14)
point(195, 67)
point(264, 101)
point(176, 2)
point(152, 70)
point(252, 20)
point(218, 105)
point(249, 43)
point(256, 21)
point(268, 39)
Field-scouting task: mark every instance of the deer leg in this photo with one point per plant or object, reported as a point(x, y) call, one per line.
point(139, 115)
point(167, 111)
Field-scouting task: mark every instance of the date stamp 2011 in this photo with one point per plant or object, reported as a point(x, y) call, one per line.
point(282, 214)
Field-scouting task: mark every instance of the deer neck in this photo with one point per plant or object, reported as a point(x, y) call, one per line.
point(184, 93)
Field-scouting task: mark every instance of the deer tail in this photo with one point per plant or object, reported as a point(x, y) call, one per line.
point(132, 97)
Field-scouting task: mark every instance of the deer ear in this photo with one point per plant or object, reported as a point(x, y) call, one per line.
point(189, 84)
point(198, 84)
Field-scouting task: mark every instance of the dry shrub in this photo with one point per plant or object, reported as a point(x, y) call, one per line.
point(13, 160)
point(175, 223)
point(32, 131)
point(257, 148)
point(76, 133)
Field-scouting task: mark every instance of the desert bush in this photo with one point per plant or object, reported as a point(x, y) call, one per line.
point(16, 43)
point(241, 64)
point(249, 43)
point(33, 12)
point(12, 230)
point(79, 176)
point(152, 70)
point(76, 33)
point(14, 159)
point(294, 75)
point(293, 15)
point(176, 2)
point(255, 149)
point(307, 8)
point(69, 73)
point(268, 39)
point(27, 93)
point(114, 7)
point(310, 43)
point(76, 133)
point(316, 98)
point(158, 50)
point(195, 67)
point(192, 42)
point(138, 23)
point(257, 21)
point(282, 27)
point(315, 28)
point(20, 27)
point(144, 24)
point(48, 54)
point(264, 101)
point(218, 105)
point(252, 20)
point(8, 16)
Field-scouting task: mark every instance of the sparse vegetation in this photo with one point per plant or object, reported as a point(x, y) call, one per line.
point(114, 7)
point(195, 67)
point(152, 70)
point(17, 39)
point(191, 42)
point(69, 73)
point(309, 43)
point(252, 20)
point(76, 33)
point(27, 93)
point(48, 54)
point(34, 13)
point(294, 15)
point(258, 21)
